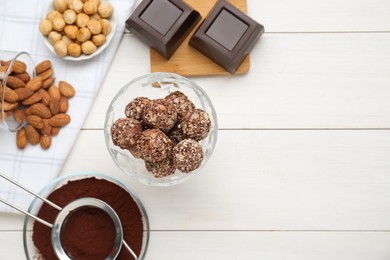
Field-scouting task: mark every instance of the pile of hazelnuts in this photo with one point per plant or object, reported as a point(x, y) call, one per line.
point(165, 133)
point(77, 26)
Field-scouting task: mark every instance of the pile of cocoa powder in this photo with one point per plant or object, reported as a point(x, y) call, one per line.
point(82, 239)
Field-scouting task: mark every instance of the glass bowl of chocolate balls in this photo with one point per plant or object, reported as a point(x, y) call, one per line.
point(96, 237)
point(161, 129)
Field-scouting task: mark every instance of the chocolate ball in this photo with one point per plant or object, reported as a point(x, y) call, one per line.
point(180, 102)
point(187, 155)
point(135, 108)
point(159, 116)
point(176, 135)
point(125, 132)
point(153, 145)
point(160, 169)
point(196, 124)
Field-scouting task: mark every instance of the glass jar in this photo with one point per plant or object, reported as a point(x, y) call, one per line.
point(7, 106)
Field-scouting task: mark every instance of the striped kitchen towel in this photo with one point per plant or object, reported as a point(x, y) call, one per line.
point(19, 31)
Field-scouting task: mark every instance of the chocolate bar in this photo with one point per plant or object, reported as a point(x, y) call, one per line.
point(163, 24)
point(226, 35)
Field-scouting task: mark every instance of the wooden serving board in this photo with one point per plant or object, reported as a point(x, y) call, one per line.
point(187, 61)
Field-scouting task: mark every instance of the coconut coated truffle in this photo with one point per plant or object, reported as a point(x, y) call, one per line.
point(161, 169)
point(180, 102)
point(125, 132)
point(153, 145)
point(187, 155)
point(135, 109)
point(196, 124)
point(160, 116)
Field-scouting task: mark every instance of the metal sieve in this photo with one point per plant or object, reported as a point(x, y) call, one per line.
point(65, 213)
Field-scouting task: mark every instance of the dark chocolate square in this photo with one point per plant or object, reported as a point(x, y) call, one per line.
point(226, 35)
point(163, 24)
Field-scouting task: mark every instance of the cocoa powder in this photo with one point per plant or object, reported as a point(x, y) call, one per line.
point(97, 235)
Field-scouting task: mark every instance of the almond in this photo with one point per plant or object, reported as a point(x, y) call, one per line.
point(41, 110)
point(17, 67)
point(55, 131)
point(27, 111)
point(32, 135)
point(8, 106)
point(66, 89)
point(35, 83)
point(45, 142)
point(54, 105)
point(54, 92)
point(48, 83)
point(45, 97)
point(35, 121)
point(14, 82)
point(25, 77)
point(4, 68)
point(19, 116)
point(32, 100)
point(9, 94)
point(46, 129)
point(46, 74)
point(24, 93)
point(6, 115)
point(21, 139)
point(43, 66)
point(64, 104)
point(59, 120)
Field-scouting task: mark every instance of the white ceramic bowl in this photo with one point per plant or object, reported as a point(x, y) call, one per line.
point(142, 86)
point(99, 50)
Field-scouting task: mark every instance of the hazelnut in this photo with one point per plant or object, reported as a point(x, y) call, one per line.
point(61, 48)
point(74, 49)
point(76, 5)
point(106, 26)
point(70, 16)
point(88, 47)
point(82, 20)
point(58, 24)
point(53, 14)
point(54, 37)
point(105, 10)
point(90, 8)
point(66, 40)
point(60, 5)
point(95, 17)
point(71, 31)
point(94, 26)
point(45, 27)
point(99, 39)
point(83, 35)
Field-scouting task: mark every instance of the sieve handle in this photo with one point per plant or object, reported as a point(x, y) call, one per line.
point(29, 191)
point(27, 214)
point(129, 249)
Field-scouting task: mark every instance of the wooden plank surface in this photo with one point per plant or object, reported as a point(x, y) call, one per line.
point(177, 245)
point(296, 81)
point(187, 61)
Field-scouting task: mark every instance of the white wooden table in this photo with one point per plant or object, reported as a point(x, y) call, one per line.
point(301, 169)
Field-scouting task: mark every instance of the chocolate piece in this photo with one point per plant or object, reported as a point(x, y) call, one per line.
point(226, 36)
point(154, 145)
point(163, 24)
point(187, 155)
point(125, 132)
point(196, 124)
point(160, 169)
point(159, 116)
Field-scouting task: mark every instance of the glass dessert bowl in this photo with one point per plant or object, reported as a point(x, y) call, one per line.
point(111, 185)
point(155, 87)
